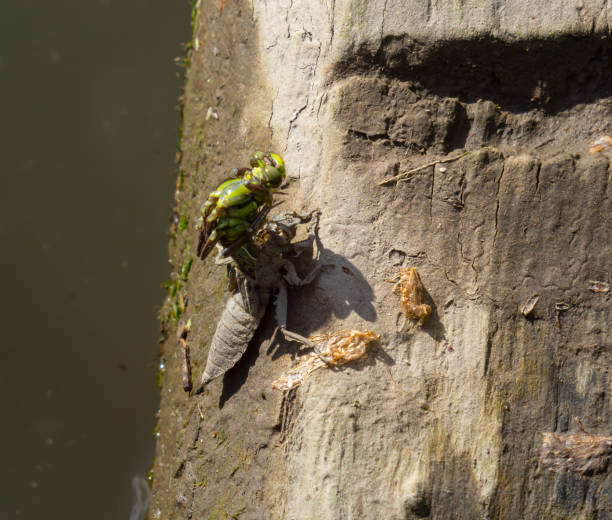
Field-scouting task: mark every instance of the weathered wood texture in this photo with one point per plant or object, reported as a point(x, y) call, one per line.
point(446, 421)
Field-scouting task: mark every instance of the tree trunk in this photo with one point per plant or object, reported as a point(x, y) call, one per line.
point(488, 108)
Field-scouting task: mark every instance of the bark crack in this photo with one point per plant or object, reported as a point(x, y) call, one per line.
point(431, 195)
point(607, 180)
point(271, 114)
point(378, 137)
point(314, 72)
point(191, 500)
point(287, 19)
point(294, 118)
point(333, 19)
point(382, 24)
point(321, 99)
point(286, 415)
point(499, 180)
point(537, 176)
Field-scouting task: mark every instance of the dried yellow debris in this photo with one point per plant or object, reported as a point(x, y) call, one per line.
point(412, 294)
point(332, 350)
point(602, 143)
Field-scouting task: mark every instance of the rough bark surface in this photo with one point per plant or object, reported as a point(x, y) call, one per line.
point(444, 421)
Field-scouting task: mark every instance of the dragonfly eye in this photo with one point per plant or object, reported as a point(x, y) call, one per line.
point(277, 161)
point(274, 177)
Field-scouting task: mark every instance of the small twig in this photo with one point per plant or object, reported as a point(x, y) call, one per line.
point(545, 142)
point(422, 167)
point(186, 366)
point(181, 334)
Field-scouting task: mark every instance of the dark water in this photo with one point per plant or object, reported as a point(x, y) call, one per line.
point(88, 126)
